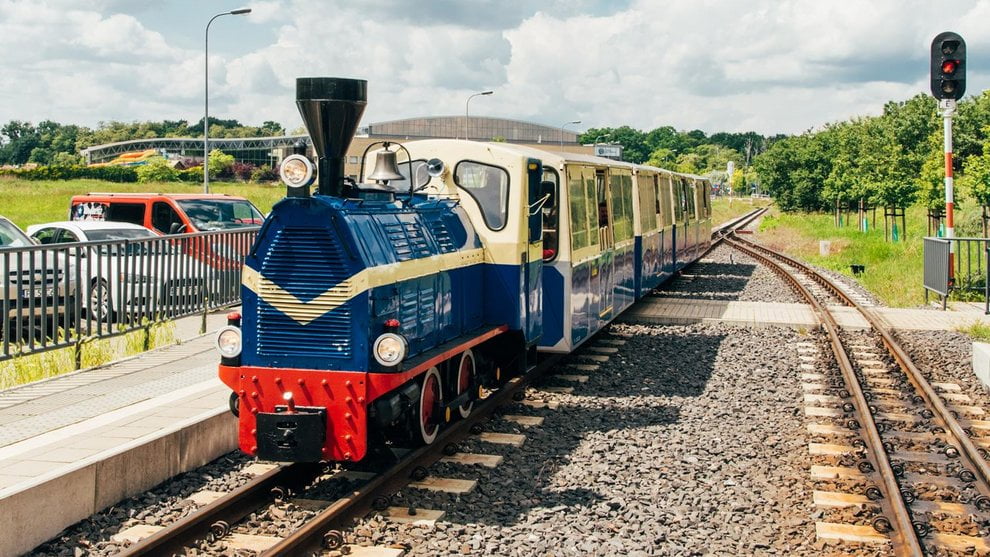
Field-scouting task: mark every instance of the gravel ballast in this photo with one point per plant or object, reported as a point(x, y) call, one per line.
point(726, 274)
point(688, 441)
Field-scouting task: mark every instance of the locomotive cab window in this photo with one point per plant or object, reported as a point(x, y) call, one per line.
point(489, 186)
point(551, 214)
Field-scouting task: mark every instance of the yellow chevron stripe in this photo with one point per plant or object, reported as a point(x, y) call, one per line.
point(305, 313)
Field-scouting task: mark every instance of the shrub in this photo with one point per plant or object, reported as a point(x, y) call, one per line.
point(242, 170)
point(194, 174)
point(109, 173)
point(220, 164)
point(157, 170)
point(264, 173)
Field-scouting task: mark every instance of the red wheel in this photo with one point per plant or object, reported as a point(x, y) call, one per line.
point(430, 398)
point(465, 377)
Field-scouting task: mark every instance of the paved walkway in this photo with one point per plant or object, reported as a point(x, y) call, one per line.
point(77, 443)
point(683, 311)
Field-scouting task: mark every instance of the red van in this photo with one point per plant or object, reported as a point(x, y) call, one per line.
point(168, 213)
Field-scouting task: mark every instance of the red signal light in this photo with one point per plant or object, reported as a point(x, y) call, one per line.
point(949, 66)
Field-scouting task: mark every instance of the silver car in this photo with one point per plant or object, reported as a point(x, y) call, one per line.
point(124, 269)
point(33, 290)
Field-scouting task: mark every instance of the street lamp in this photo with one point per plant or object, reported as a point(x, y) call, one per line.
point(562, 132)
point(466, 104)
point(206, 117)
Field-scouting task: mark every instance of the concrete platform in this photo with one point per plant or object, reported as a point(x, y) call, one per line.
point(686, 311)
point(73, 445)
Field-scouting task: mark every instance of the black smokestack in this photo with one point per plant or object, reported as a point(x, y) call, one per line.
point(331, 108)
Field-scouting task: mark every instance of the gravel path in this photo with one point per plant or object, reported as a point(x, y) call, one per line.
point(689, 441)
point(727, 274)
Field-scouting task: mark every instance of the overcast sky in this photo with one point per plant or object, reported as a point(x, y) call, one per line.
point(765, 65)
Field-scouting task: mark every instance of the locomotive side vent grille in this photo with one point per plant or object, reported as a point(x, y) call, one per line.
point(440, 232)
point(304, 262)
point(407, 239)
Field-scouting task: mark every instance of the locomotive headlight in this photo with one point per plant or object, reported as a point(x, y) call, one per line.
point(297, 171)
point(228, 342)
point(389, 349)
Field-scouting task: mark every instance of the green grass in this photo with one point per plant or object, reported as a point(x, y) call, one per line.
point(29, 202)
point(894, 271)
point(977, 331)
point(723, 211)
point(33, 367)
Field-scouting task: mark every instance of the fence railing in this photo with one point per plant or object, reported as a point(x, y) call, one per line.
point(970, 267)
point(61, 295)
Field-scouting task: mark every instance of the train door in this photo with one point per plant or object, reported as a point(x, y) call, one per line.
point(603, 185)
point(532, 259)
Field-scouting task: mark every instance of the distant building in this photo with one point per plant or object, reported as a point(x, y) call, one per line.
point(271, 150)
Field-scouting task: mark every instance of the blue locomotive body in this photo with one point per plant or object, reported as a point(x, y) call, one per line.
point(327, 274)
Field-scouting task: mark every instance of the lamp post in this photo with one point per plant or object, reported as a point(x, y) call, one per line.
point(206, 95)
point(466, 104)
point(562, 126)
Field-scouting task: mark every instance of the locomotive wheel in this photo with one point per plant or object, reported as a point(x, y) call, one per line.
point(430, 398)
point(465, 378)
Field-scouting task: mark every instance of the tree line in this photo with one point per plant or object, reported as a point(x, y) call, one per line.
point(891, 160)
point(692, 152)
point(52, 143)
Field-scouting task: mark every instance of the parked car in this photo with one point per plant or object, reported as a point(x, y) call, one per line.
point(182, 214)
point(125, 268)
point(35, 297)
point(168, 213)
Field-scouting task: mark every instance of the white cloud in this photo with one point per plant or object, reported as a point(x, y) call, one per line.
point(767, 65)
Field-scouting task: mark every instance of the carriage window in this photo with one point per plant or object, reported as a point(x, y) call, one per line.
point(621, 193)
point(602, 201)
point(578, 206)
point(678, 199)
point(706, 190)
point(648, 207)
point(489, 186)
point(689, 197)
point(551, 215)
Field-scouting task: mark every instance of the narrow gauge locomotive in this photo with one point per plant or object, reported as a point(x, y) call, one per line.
point(375, 313)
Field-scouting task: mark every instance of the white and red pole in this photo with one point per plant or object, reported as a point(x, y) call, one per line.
point(948, 110)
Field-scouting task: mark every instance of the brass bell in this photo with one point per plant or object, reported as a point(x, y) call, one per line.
point(385, 167)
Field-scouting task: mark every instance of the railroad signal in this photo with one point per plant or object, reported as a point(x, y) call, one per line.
point(948, 66)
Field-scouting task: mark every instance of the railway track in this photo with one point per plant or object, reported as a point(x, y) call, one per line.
point(324, 531)
point(901, 448)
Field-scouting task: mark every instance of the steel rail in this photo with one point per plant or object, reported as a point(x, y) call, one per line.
point(970, 454)
point(226, 510)
point(905, 538)
point(310, 537)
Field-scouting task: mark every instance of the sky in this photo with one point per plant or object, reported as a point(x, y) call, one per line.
point(770, 66)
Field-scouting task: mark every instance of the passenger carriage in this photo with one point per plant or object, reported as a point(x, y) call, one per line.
point(576, 239)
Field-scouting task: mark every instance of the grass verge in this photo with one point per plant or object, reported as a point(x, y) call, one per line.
point(977, 331)
point(894, 271)
point(28, 368)
point(34, 202)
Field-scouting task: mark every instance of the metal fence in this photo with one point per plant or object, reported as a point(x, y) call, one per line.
point(970, 267)
point(62, 295)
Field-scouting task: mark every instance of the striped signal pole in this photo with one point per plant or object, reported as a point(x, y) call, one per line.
point(948, 107)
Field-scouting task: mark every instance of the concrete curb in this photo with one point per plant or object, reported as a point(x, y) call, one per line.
point(40, 510)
